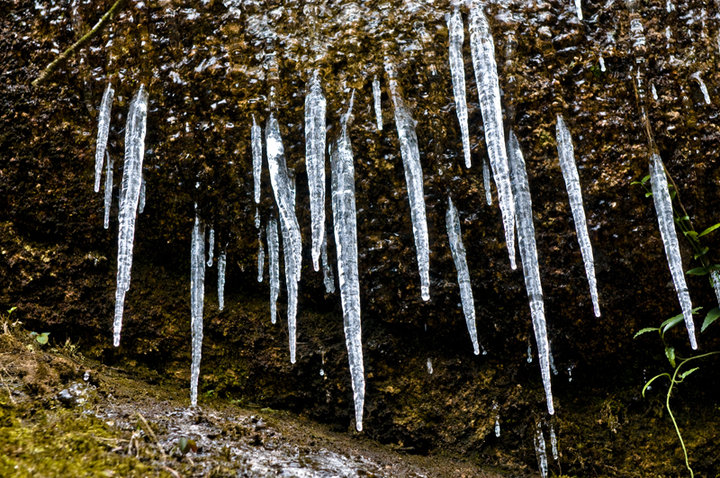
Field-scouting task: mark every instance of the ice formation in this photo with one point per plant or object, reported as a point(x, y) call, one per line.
point(497, 426)
point(141, 201)
point(541, 451)
point(566, 155)
point(221, 280)
point(256, 146)
point(211, 247)
point(315, 163)
point(108, 190)
point(135, 128)
point(663, 208)
point(457, 72)
point(578, 9)
point(103, 130)
point(344, 220)
point(486, 182)
point(529, 257)
point(197, 303)
point(377, 103)
point(261, 256)
point(413, 177)
point(328, 278)
point(706, 96)
point(486, 77)
point(273, 266)
point(554, 444)
point(457, 248)
point(715, 283)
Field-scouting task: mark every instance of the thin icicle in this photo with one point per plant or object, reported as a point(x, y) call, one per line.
point(413, 177)
point(486, 78)
point(458, 252)
point(273, 266)
point(257, 218)
point(706, 96)
point(529, 257)
point(141, 201)
point(715, 283)
point(256, 145)
point(221, 280)
point(457, 72)
point(578, 9)
point(315, 163)
point(497, 426)
point(129, 196)
point(344, 220)
point(378, 104)
point(197, 303)
point(566, 154)
point(211, 247)
point(108, 190)
point(486, 182)
point(261, 257)
point(328, 278)
point(103, 131)
point(429, 366)
point(554, 444)
point(663, 208)
point(540, 451)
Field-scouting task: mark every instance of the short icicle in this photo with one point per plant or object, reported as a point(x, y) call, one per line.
point(457, 73)
point(197, 303)
point(413, 177)
point(344, 220)
point(566, 154)
point(486, 77)
point(284, 190)
point(103, 132)
point(108, 190)
point(273, 266)
point(256, 146)
point(452, 222)
point(135, 129)
point(377, 103)
point(541, 451)
point(328, 278)
point(529, 258)
point(666, 223)
point(261, 256)
point(222, 258)
point(315, 163)
point(211, 247)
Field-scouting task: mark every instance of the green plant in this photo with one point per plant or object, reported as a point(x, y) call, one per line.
point(42, 338)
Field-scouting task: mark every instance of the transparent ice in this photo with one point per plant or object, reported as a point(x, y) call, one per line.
point(211, 247)
point(328, 278)
point(221, 280)
point(457, 72)
point(103, 131)
point(108, 190)
point(377, 103)
point(256, 145)
point(540, 451)
point(197, 303)
point(315, 163)
point(273, 266)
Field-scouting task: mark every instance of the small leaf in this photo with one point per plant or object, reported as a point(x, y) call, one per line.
point(709, 230)
point(648, 194)
point(702, 252)
point(688, 372)
point(42, 339)
point(698, 271)
point(670, 354)
point(711, 317)
point(645, 179)
point(691, 234)
point(11, 310)
point(646, 330)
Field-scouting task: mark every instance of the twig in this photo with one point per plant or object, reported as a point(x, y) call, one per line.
point(75, 46)
point(12, 400)
point(152, 434)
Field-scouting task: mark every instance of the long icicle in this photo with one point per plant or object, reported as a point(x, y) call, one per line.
point(666, 223)
point(108, 190)
point(457, 73)
point(222, 259)
point(273, 265)
point(103, 131)
point(452, 222)
point(566, 154)
point(256, 146)
point(345, 222)
point(413, 177)
point(486, 78)
point(129, 197)
point(197, 303)
point(529, 258)
point(315, 163)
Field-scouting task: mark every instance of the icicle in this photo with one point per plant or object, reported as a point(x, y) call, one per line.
point(529, 352)
point(141, 201)
point(602, 64)
point(315, 163)
point(663, 208)
point(566, 155)
point(257, 218)
point(129, 195)
point(486, 182)
point(108, 189)
point(197, 303)
point(497, 426)
point(578, 9)
point(429, 366)
point(284, 190)
point(554, 444)
point(103, 130)
point(413, 178)
point(457, 71)
point(654, 92)
point(540, 451)
point(696, 76)
point(344, 220)
point(273, 266)
point(715, 283)
point(261, 257)
point(669, 6)
point(528, 255)
point(328, 278)
point(376, 100)
point(211, 247)
point(256, 146)
point(221, 280)
point(486, 77)
point(457, 248)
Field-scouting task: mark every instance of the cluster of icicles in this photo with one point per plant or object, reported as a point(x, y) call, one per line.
point(508, 172)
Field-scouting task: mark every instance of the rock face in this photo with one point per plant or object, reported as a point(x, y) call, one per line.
point(209, 69)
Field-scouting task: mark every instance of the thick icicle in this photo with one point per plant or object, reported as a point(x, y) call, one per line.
point(663, 208)
point(261, 257)
point(529, 257)
point(541, 451)
point(328, 278)
point(284, 190)
point(378, 104)
point(211, 247)
point(566, 154)
point(129, 197)
point(256, 144)
point(273, 266)
point(315, 163)
point(344, 220)
point(103, 130)
point(108, 190)
point(457, 72)
point(578, 9)
point(457, 248)
point(141, 201)
point(486, 77)
point(221, 280)
point(197, 303)
point(413, 177)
